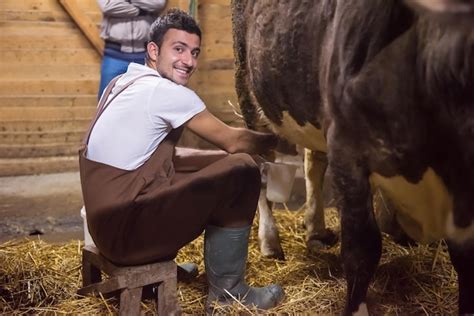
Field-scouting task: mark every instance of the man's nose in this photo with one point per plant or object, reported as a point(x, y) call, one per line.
point(188, 59)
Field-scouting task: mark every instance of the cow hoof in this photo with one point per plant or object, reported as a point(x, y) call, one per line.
point(275, 252)
point(318, 241)
point(279, 255)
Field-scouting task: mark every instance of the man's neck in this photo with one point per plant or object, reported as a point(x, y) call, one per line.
point(150, 63)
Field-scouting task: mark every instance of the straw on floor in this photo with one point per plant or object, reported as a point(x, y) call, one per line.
point(38, 277)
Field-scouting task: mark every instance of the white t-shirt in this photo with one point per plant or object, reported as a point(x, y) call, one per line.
point(138, 119)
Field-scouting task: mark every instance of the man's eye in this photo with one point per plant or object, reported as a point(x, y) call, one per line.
point(179, 49)
point(195, 53)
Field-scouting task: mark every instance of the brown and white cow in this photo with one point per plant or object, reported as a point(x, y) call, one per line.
point(386, 89)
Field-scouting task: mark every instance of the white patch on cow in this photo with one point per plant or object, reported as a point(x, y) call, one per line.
point(423, 208)
point(307, 135)
point(457, 234)
point(362, 310)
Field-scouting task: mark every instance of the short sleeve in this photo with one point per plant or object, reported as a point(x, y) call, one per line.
point(175, 104)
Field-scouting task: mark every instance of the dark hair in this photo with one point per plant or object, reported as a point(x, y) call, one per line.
point(173, 19)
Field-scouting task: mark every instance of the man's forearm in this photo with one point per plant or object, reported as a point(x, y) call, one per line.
point(118, 9)
point(149, 5)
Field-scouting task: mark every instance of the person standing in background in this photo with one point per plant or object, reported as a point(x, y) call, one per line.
point(124, 28)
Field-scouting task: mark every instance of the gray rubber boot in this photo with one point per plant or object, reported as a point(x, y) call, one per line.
point(225, 255)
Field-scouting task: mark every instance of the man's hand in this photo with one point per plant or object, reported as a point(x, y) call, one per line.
point(263, 143)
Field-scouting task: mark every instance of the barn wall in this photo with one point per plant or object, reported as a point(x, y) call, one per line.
point(49, 77)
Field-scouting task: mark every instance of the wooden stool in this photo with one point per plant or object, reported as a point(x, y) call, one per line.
point(130, 280)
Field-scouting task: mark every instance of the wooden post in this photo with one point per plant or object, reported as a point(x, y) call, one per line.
point(193, 8)
point(84, 23)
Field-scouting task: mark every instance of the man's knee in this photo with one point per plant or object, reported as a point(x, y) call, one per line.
point(246, 167)
point(242, 182)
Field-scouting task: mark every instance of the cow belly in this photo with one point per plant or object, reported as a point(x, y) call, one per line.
point(307, 135)
point(423, 209)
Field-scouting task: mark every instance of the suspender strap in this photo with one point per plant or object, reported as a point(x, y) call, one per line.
point(104, 102)
point(107, 92)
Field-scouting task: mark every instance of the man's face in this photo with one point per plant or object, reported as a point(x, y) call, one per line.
point(176, 59)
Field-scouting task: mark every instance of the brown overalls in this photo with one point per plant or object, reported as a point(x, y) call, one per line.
point(147, 214)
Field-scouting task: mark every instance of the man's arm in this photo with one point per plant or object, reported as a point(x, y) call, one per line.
point(118, 8)
point(149, 5)
point(231, 139)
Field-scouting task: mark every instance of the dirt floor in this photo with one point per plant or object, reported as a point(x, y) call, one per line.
point(47, 205)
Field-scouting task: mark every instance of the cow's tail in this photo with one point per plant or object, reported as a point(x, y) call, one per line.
point(239, 30)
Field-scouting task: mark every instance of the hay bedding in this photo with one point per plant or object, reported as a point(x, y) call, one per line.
point(37, 277)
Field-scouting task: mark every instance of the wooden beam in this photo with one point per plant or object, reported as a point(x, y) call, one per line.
point(46, 126)
point(49, 86)
point(36, 165)
point(50, 113)
point(46, 101)
point(84, 23)
point(38, 150)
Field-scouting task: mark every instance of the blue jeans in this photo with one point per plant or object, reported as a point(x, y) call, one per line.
point(112, 67)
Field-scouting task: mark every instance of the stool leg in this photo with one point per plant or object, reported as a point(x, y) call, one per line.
point(130, 301)
point(90, 273)
point(166, 298)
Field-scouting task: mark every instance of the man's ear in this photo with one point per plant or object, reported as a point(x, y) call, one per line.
point(152, 50)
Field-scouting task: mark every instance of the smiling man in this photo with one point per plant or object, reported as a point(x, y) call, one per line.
point(144, 199)
point(177, 58)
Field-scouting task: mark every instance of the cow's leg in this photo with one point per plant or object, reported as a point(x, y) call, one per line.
point(317, 235)
point(361, 241)
point(462, 258)
point(268, 236)
point(360, 237)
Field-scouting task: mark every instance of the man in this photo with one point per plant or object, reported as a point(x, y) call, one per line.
point(124, 28)
point(144, 201)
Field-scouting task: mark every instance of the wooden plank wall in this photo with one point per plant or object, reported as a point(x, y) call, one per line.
point(49, 76)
